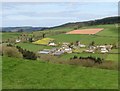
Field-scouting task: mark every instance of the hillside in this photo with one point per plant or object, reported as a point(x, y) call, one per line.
point(23, 74)
point(108, 20)
point(21, 29)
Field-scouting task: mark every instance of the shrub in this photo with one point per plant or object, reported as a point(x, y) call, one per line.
point(11, 52)
point(75, 57)
point(27, 54)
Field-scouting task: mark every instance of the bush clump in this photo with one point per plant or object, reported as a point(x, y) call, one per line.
point(11, 52)
point(27, 54)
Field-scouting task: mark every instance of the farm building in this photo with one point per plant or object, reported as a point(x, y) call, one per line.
point(58, 53)
point(18, 40)
point(48, 51)
point(89, 51)
point(104, 50)
point(45, 51)
point(52, 44)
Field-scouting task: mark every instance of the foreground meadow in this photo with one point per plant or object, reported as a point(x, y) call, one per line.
point(23, 74)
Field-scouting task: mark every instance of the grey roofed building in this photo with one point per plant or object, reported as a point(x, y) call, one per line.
point(58, 53)
point(45, 51)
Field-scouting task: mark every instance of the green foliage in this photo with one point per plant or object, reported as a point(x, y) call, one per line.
point(11, 52)
point(27, 54)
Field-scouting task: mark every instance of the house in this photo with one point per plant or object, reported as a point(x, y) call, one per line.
point(53, 49)
point(18, 40)
point(90, 51)
point(82, 45)
point(92, 47)
point(45, 51)
point(52, 44)
point(58, 53)
point(66, 43)
point(104, 50)
point(68, 50)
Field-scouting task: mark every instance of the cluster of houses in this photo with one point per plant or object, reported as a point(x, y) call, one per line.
point(57, 51)
point(67, 48)
point(101, 49)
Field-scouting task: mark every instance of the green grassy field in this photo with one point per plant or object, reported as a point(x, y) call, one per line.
point(108, 36)
point(86, 39)
point(33, 47)
point(10, 35)
point(113, 57)
point(23, 74)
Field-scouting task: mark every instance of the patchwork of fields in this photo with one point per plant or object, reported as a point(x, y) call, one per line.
point(39, 74)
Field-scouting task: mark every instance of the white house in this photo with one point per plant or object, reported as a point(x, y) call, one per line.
point(68, 50)
point(58, 53)
point(18, 40)
point(52, 44)
point(82, 45)
point(104, 50)
point(45, 51)
point(90, 51)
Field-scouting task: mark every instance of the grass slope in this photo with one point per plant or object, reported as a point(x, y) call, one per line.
point(10, 35)
point(33, 47)
point(108, 36)
point(19, 73)
point(86, 39)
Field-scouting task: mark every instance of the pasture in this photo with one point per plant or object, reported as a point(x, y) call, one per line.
point(107, 36)
point(9, 35)
point(24, 74)
point(84, 39)
point(32, 47)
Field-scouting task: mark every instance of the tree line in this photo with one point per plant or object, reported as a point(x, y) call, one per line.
point(27, 54)
point(95, 59)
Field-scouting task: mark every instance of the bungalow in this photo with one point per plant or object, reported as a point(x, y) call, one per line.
point(66, 43)
point(45, 51)
point(68, 50)
point(52, 44)
point(104, 50)
point(18, 40)
point(90, 51)
point(58, 53)
point(82, 45)
point(48, 51)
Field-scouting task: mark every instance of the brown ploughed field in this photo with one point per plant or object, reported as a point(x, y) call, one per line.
point(86, 31)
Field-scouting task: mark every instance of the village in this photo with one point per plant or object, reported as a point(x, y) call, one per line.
point(72, 48)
